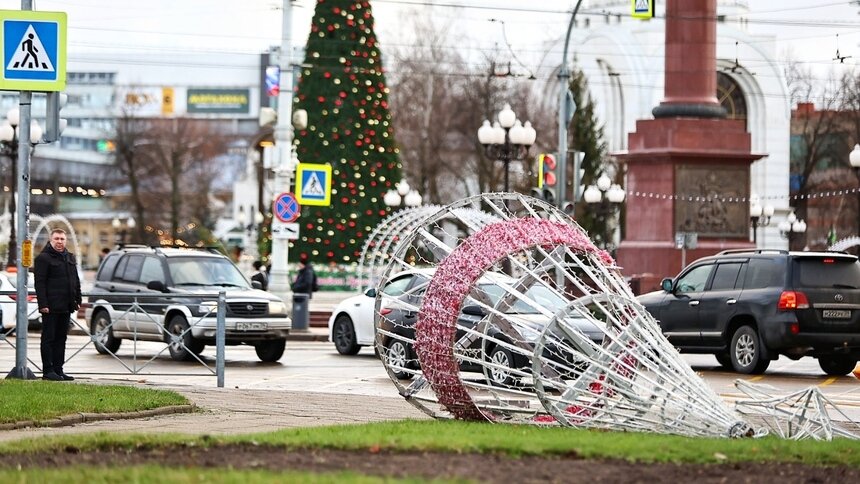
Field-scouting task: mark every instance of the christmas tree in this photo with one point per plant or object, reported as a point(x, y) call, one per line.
point(343, 90)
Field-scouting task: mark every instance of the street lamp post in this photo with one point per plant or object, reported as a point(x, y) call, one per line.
point(9, 148)
point(507, 139)
point(759, 216)
point(402, 194)
point(791, 227)
point(605, 197)
point(854, 159)
point(123, 229)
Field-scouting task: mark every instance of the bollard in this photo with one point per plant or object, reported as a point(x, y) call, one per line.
point(300, 310)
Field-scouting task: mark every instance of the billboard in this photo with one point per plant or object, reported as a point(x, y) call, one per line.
point(218, 101)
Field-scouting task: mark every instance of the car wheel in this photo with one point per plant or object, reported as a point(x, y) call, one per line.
point(724, 360)
point(397, 358)
point(500, 373)
point(101, 329)
point(343, 335)
point(837, 365)
point(187, 347)
point(745, 352)
point(270, 351)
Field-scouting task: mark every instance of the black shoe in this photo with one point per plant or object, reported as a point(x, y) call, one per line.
point(66, 377)
point(52, 376)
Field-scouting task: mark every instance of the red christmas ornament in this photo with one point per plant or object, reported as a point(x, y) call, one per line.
point(382, 212)
point(341, 245)
point(321, 99)
point(327, 75)
point(309, 226)
point(330, 254)
point(351, 223)
point(344, 200)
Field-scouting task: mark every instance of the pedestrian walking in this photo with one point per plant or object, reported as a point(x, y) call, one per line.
point(58, 294)
point(261, 275)
point(306, 279)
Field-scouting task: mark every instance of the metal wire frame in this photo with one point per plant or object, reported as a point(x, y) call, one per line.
point(804, 414)
point(386, 236)
point(500, 333)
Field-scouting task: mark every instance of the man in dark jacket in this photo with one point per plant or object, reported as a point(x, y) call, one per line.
point(306, 279)
point(261, 276)
point(58, 292)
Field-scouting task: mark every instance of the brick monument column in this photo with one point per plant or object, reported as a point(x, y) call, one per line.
point(689, 151)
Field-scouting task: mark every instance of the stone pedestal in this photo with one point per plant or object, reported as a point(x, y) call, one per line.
point(686, 168)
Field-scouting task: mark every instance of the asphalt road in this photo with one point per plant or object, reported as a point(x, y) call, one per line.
point(316, 367)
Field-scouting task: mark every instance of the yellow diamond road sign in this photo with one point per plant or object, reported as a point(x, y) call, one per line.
point(34, 50)
point(313, 184)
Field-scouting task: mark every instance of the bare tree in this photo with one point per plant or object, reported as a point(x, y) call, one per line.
point(183, 151)
point(129, 136)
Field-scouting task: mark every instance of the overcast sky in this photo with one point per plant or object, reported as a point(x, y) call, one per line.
point(178, 28)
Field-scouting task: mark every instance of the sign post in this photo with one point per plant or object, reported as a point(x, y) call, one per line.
point(34, 59)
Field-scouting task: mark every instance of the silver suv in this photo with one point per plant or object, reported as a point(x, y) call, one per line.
point(171, 282)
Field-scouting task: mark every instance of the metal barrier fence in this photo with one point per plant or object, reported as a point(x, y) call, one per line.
point(138, 319)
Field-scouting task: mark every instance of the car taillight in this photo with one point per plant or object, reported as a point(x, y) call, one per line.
point(791, 300)
point(384, 311)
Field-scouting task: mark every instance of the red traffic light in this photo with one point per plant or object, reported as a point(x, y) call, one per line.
point(547, 174)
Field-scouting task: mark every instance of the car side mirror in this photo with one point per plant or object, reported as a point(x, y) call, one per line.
point(474, 310)
point(666, 284)
point(156, 286)
point(370, 292)
point(256, 284)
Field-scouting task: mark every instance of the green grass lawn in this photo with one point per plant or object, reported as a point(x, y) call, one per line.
point(38, 400)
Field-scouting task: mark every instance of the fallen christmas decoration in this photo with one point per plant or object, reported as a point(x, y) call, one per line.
point(519, 318)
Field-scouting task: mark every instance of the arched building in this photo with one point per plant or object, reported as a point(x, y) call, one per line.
point(623, 60)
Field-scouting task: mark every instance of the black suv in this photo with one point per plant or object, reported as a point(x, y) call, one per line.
point(747, 307)
point(171, 278)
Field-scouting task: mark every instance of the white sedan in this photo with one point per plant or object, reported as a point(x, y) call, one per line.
point(8, 306)
point(351, 323)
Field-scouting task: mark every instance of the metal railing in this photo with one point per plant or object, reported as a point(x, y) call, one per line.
point(140, 320)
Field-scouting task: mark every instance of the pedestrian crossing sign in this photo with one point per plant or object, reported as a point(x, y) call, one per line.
point(313, 184)
point(34, 50)
point(643, 9)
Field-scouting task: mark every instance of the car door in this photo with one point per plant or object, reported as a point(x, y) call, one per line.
point(718, 303)
point(150, 317)
point(680, 310)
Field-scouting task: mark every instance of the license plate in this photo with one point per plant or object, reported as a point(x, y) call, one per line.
point(252, 326)
point(836, 313)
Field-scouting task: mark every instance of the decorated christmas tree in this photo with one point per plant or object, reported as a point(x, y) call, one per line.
point(343, 90)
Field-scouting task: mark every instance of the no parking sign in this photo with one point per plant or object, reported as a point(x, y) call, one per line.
point(286, 208)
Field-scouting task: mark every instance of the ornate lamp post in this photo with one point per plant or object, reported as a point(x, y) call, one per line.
point(403, 194)
point(9, 148)
point(854, 159)
point(791, 227)
point(117, 224)
point(251, 224)
point(759, 216)
point(507, 139)
point(605, 197)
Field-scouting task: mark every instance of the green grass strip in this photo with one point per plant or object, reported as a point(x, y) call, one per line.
point(39, 400)
point(513, 440)
point(158, 475)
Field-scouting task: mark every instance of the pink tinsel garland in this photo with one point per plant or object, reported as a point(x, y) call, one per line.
point(454, 278)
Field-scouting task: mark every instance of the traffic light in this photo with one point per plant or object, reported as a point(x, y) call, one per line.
point(54, 125)
point(548, 177)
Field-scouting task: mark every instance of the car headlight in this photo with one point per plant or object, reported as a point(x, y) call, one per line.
point(277, 307)
point(208, 308)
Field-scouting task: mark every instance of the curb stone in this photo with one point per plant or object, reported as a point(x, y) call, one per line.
point(74, 419)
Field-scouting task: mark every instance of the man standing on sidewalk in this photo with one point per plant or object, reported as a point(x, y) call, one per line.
point(58, 292)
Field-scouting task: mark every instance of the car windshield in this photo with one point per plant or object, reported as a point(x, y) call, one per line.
point(205, 271)
point(539, 294)
point(13, 279)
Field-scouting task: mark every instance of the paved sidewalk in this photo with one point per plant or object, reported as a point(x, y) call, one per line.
point(223, 411)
